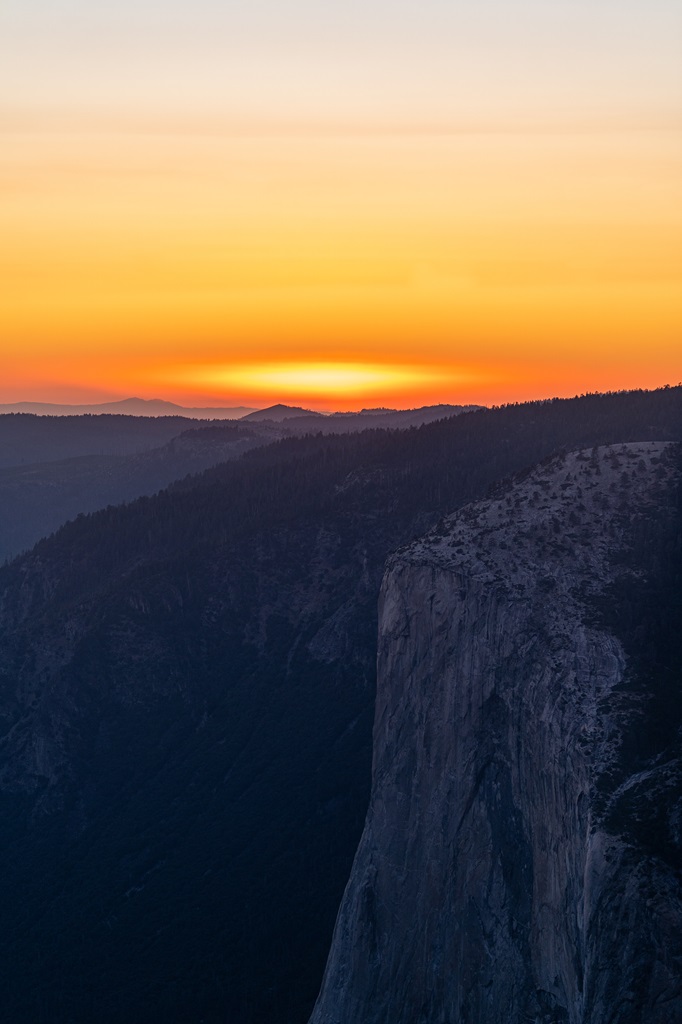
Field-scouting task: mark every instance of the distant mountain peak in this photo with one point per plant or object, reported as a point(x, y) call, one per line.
point(280, 412)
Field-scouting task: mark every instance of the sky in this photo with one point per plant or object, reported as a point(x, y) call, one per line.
point(339, 205)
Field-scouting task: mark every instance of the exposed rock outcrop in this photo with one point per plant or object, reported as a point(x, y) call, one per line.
point(506, 872)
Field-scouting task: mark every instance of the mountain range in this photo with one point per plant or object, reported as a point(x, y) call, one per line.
point(55, 468)
point(126, 407)
point(155, 407)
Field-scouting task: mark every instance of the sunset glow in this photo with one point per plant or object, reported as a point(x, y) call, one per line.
point(395, 206)
point(340, 381)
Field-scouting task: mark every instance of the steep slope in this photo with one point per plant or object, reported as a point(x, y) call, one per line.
point(36, 499)
point(522, 851)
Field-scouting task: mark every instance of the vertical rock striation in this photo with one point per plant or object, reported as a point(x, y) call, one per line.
point(498, 878)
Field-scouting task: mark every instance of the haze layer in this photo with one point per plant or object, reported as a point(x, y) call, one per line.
point(339, 204)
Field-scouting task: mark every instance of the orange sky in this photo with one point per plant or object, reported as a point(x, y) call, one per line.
point(468, 236)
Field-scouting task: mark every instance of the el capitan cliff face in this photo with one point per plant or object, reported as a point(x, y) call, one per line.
point(520, 859)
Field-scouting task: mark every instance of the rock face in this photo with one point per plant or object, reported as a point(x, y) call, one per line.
point(512, 867)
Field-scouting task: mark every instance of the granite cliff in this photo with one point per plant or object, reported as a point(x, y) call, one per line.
point(521, 855)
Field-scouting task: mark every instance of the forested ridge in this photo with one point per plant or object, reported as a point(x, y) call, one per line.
point(430, 469)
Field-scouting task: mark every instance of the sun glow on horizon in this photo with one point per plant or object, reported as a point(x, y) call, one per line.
point(330, 204)
point(333, 380)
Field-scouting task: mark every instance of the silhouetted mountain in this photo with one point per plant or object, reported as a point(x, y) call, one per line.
point(127, 407)
point(278, 413)
point(186, 704)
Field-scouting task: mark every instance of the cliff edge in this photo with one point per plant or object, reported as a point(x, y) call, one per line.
point(522, 855)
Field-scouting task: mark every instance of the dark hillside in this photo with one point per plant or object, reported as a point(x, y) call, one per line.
point(26, 438)
point(36, 499)
point(52, 468)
